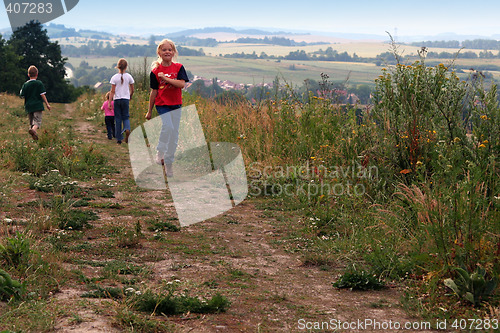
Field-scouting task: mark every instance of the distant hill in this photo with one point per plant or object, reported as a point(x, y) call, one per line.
point(61, 31)
point(211, 30)
point(443, 37)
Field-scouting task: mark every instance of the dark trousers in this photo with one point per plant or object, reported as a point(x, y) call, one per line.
point(121, 118)
point(110, 126)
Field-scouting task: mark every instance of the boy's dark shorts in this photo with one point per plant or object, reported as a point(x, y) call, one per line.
point(35, 118)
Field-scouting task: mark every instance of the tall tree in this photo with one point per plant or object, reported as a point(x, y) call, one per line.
point(32, 43)
point(10, 72)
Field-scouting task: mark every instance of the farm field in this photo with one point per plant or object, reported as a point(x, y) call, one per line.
point(361, 49)
point(249, 71)
point(255, 71)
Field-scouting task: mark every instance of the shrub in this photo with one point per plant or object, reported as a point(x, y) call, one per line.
point(10, 288)
point(359, 280)
point(173, 305)
point(15, 251)
point(475, 287)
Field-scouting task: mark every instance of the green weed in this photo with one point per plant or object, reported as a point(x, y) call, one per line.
point(157, 225)
point(174, 305)
point(359, 280)
point(15, 251)
point(10, 288)
point(475, 287)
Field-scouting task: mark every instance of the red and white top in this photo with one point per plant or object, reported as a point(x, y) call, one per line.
point(168, 94)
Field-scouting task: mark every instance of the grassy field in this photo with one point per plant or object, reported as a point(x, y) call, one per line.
point(256, 71)
point(250, 71)
point(362, 49)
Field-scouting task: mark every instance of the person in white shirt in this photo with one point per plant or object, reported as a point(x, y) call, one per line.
point(122, 89)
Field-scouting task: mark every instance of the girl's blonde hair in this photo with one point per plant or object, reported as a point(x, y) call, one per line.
point(122, 66)
point(158, 61)
point(106, 97)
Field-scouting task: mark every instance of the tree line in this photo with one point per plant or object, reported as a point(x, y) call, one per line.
point(475, 44)
point(328, 55)
point(274, 40)
point(100, 48)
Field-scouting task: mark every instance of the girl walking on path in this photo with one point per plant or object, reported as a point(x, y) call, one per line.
point(167, 79)
point(122, 89)
point(109, 116)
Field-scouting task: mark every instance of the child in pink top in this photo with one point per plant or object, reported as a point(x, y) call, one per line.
point(109, 116)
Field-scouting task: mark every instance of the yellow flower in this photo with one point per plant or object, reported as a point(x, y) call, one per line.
point(484, 117)
point(486, 142)
point(456, 140)
point(482, 146)
point(419, 163)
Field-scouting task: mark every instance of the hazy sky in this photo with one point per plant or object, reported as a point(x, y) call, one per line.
point(422, 17)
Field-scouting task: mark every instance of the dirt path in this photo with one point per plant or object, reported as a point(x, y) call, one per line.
point(240, 254)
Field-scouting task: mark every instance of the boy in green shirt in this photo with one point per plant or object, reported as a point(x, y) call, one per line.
point(33, 92)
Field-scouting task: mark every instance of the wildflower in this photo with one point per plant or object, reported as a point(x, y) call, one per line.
point(482, 145)
point(457, 140)
point(484, 117)
point(486, 142)
point(419, 163)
